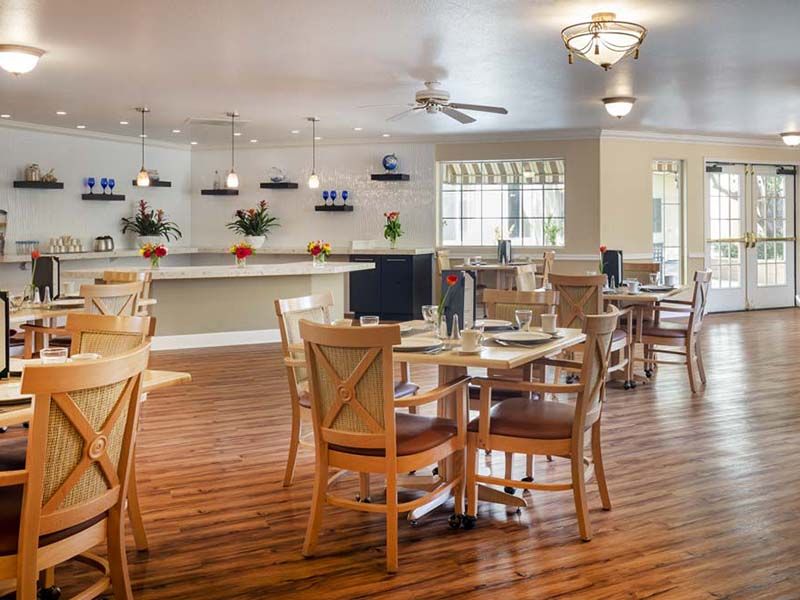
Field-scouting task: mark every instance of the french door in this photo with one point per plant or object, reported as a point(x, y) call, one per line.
point(750, 236)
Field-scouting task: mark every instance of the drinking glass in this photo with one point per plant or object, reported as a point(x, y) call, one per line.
point(653, 278)
point(369, 320)
point(333, 196)
point(429, 315)
point(345, 195)
point(104, 183)
point(524, 318)
point(53, 356)
point(91, 182)
point(325, 196)
point(111, 184)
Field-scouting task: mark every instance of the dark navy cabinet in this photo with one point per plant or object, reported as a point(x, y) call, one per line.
point(396, 289)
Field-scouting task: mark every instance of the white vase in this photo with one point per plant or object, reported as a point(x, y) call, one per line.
point(256, 241)
point(148, 239)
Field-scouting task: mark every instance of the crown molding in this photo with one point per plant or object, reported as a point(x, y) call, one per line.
point(92, 135)
point(691, 138)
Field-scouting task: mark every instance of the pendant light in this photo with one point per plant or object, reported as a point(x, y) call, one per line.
point(603, 41)
point(313, 180)
point(791, 138)
point(19, 59)
point(143, 178)
point(232, 182)
point(619, 106)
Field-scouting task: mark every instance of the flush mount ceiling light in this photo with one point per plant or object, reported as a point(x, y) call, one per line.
point(619, 106)
point(19, 59)
point(791, 138)
point(603, 41)
point(232, 182)
point(313, 179)
point(143, 178)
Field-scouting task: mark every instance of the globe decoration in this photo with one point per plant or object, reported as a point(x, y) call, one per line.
point(390, 162)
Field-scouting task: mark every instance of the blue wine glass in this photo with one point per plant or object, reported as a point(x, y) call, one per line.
point(104, 183)
point(345, 195)
point(325, 195)
point(333, 196)
point(111, 184)
point(90, 182)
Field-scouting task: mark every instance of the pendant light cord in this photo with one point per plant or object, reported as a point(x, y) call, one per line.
point(142, 139)
point(314, 146)
point(233, 116)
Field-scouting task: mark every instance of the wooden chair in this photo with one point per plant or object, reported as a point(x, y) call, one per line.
point(536, 426)
point(581, 296)
point(145, 277)
point(684, 333)
point(119, 299)
point(526, 278)
point(442, 260)
point(70, 495)
point(289, 312)
point(548, 259)
point(640, 271)
point(356, 427)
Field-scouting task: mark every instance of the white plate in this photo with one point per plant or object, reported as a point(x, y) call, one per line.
point(418, 344)
point(61, 302)
point(493, 323)
point(523, 337)
point(406, 327)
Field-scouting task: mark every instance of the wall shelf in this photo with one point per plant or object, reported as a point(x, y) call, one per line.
point(334, 208)
point(40, 185)
point(280, 185)
point(106, 197)
point(158, 183)
point(390, 177)
point(221, 192)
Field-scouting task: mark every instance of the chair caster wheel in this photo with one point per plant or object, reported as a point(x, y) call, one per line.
point(26, 425)
point(435, 470)
point(527, 479)
point(627, 385)
point(455, 521)
point(518, 511)
point(648, 372)
point(3, 429)
point(510, 490)
point(50, 593)
point(468, 522)
point(366, 500)
point(413, 522)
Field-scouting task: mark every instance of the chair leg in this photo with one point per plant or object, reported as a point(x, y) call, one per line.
point(135, 511)
point(690, 365)
point(27, 350)
point(509, 464)
point(700, 367)
point(458, 493)
point(528, 467)
point(472, 484)
point(117, 561)
point(579, 493)
point(363, 487)
point(318, 500)
point(599, 469)
point(294, 443)
point(391, 523)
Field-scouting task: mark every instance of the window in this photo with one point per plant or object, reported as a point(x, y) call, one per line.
point(519, 200)
point(668, 216)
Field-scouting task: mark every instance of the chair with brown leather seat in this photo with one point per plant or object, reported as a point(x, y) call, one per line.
point(533, 425)
point(581, 296)
point(289, 312)
point(682, 334)
point(70, 494)
point(356, 426)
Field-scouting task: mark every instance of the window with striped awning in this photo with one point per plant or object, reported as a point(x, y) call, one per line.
point(504, 172)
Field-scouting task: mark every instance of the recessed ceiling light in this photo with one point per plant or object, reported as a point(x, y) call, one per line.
point(358, 128)
point(176, 131)
point(238, 133)
point(295, 131)
point(253, 141)
point(791, 138)
point(318, 138)
point(81, 126)
point(386, 135)
point(5, 116)
point(123, 122)
point(193, 143)
point(619, 106)
point(60, 113)
point(19, 59)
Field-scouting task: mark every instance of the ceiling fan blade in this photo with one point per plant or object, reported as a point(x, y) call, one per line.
point(492, 109)
point(457, 115)
point(383, 105)
point(403, 114)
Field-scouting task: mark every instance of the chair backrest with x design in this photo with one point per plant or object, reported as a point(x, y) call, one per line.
point(118, 299)
point(81, 443)
point(526, 278)
point(578, 296)
point(702, 281)
point(599, 330)
point(350, 376)
point(502, 304)
point(107, 335)
point(146, 277)
point(548, 258)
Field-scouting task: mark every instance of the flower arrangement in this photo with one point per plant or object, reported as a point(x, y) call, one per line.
point(150, 222)
point(153, 252)
point(603, 249)
point(392, 230)
point(35, 255)
point(451, 281)
point(319, 251)
point(241, 251)
point(253, 222)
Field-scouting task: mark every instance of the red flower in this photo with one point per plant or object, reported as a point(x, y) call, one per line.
point(147, 252)
point(452, 280)
point(602, 249)
point(161, 251)
point(243, 252)
point(315, 250)
point(35, 254)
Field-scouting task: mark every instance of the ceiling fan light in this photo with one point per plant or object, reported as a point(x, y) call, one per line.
point(791, 138)
point(143, 178)
point(313, 181)
point(232, 182)
point(19, 59)
point(603, 41)
point(619, 106)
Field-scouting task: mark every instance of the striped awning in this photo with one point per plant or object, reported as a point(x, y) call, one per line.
point(504, 171)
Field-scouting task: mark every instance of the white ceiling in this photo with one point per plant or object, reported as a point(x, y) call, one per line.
point(707, 66)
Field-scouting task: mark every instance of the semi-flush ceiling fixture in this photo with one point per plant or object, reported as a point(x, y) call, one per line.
point(603, 41)
point(619, 106)
point(791, 138)
point(233, 179)
point(143, 178)
point(19, 59)
point(313, 179)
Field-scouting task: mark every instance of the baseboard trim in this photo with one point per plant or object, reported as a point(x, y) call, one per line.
point(209, 340)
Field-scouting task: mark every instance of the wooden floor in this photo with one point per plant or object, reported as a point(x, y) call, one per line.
point(706, 493)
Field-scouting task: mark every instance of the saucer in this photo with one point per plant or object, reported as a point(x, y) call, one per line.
point(460, 350)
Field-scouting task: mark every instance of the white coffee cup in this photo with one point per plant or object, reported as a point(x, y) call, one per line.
point(550, 322)
point(70, 288)
point(670, 280)
point(633, 285)
point(470, 340)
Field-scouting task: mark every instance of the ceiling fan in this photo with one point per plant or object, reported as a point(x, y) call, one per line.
point(433, 99)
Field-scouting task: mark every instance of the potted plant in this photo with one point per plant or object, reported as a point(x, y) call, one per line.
point(254, 224)
point(241, 251)
point(150, 226)
point(392, 230)
point(319, 251)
